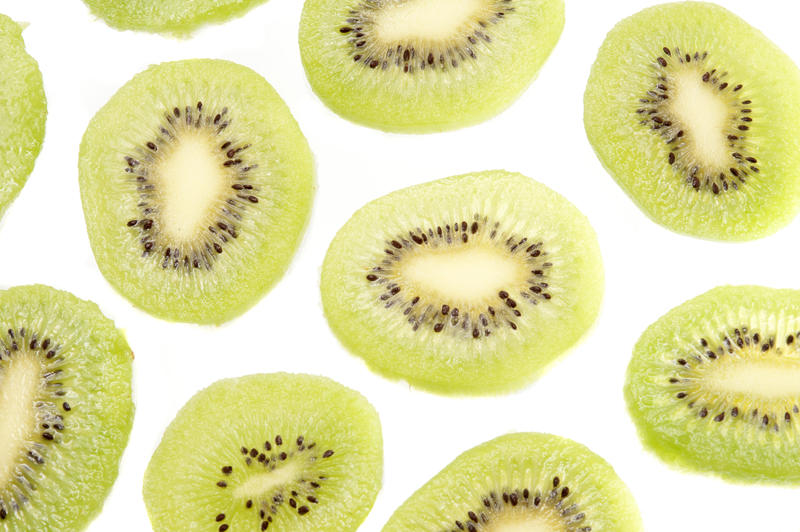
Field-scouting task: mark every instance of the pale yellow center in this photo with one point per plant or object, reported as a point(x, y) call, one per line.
point(263, 483)
point(766, 379)
point(20, 383)
point(705, 115)
point(191, 180)
point(466, 274)
point(425, 20)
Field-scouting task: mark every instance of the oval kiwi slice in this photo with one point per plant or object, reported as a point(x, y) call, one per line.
point(425, 65)
point(714, 385)
point(466, 285)
point(177, 17)
point(196, 185)
point(694, 112)
point(23, 110)
point(522, 482)
point(65, 409)
point(267, 452)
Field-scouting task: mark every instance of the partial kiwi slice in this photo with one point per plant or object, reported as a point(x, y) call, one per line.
point(694, 112)
point(714, 385)
point(425, 65)
point(466, 285)
point(522, 482)
point(23, 109)
point(277, 452)
point(177, 17)
point(65, 409)
point(196, 185)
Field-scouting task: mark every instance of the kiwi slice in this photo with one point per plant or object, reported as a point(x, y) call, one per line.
point(277, 452)
point(196, 185)
point(522, 482)
point(177, 17)
point(425, 65)
point(694, 112)
point(23, 109)
point(65, 409)
point(714, 385)
point(466, 285)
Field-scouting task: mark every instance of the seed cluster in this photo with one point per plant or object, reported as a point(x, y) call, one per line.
point(369, 50)
point(742, 343)
point(243, 193)
point(655, 115)
point(51, 409)
point(444, 316)
point(558, 500)
point(301, 496)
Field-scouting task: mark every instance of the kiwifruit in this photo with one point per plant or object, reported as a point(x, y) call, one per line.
point(694, 112)
point(466, 285)
point(522, 482)
point(65, 409)
point(425, 65)
point(177, 17)
point(196, 185)
point(23, 110)
point(714, 385)
point(277, 452)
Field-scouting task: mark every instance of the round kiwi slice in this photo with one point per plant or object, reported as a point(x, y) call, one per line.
point(694, 113)
point(177, 17)
point(267, 452)
point(23, 110)
point(522, 482)
point(714, 385)
point(425, 65)
point(196, 185)
point(466, 285)
point(65, 409)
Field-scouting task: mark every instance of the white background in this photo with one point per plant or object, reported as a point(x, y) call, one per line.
point(649, 270)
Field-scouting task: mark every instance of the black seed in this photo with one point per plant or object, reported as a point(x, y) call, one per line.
point(662, 61)
point(372, 277)
point(327, 454)
point(302, 510)
point(220, 517)
point(445, 310)
point(47, 436)
point(720, 417)
point(564, 492)
point(222, 484)
point(703, 412)
point(66, 406)
point(556, 482)
point(503, 294)
point(681, 395)
point(152, 146)
point(734, 411)
point(438, 327)
point(282, 456)
point(671, 158)
point(264, 525)
point(278, 440)
point(223, 528)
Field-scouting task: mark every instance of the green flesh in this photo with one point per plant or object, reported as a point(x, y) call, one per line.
point(423, 91)
point(224, 449)
point(177, 17)
point(65, 408)
point(712, 385)
point(522, 482)
point(23, 110)
point(261, 182)
point(739, 99)
point(540, 288)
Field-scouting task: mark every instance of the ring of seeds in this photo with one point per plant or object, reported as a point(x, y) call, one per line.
point(704, 118)
point(377, 42)
point(26, 355)
point(188, 125)
point(266, 483)
point(476, 319)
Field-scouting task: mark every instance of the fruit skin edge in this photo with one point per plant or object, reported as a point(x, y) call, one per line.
point(338, 98)
point(120, 19)
point(78, 518)
point(10, 187)
point(487, 383)
point(674, 456)
point(630, 518)
point(774, 216)
point(195, 312)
